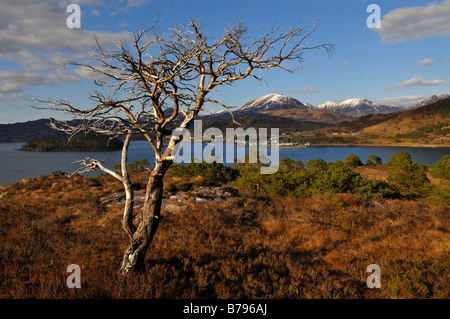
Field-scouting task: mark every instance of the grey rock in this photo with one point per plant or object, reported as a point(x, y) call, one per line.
point(173, 208)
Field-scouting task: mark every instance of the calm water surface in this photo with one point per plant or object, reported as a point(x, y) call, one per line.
point(16, 165)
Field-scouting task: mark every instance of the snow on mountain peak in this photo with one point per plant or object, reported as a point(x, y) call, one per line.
point(358, 107)
point(326, 104)
point(273, 101)
point(270, 98)
point(355, 102)
point(308, 104)
point(431, 99)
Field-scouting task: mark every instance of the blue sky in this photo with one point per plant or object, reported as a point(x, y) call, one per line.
point(403, 62)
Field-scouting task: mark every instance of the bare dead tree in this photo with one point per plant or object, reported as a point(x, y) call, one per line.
point(162, 82)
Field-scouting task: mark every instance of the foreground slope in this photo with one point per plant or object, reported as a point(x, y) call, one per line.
point(242, 247)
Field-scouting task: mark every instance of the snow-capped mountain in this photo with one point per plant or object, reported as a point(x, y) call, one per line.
point(431, 99)
point(272, 102)
point(308, 105)
point(359, 107)
point(278, 110)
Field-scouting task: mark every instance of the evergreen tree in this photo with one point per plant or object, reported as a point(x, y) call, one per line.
point(442, 168)
point(373, 160)
point(353, 161)
point(407, 174)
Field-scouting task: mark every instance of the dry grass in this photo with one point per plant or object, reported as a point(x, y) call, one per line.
point(379, 172)
point(317, 247)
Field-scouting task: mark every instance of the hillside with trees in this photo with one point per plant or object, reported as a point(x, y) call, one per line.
point(429, 124)
point(27, 131)
point(88, 142)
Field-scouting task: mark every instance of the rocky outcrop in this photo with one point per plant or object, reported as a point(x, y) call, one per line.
point(177, 202)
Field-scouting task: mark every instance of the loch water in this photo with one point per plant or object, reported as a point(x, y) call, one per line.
point(16, 165)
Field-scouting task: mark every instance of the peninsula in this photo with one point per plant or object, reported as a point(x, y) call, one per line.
point(75, 143)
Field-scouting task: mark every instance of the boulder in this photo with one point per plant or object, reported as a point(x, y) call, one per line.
point(173, 208)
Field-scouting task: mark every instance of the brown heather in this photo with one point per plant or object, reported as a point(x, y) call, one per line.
point(314, 247)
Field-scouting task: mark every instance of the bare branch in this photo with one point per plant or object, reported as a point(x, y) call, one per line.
point(90, 164)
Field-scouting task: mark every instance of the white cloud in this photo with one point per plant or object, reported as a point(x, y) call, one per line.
point(16, 81)
point(425, 62)
point(35, 37)
point(11, 81)
point(90, 75)
point(417, 81)
point(401, 100)
point(415, 22)
point(84, 73)
point(65, 3)
point(32, 60)
point(136, 3)
point(45, 29)
point(309, 89)
point(63, 77)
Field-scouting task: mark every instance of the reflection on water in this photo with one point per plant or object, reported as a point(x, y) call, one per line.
point(15, 165)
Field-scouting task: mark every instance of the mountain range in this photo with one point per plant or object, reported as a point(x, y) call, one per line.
point(359, 107)
point(353, 107)
point(272, 110)
point(275, 110)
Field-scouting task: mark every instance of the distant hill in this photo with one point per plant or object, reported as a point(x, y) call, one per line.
point(430, 100)
point(429, 124)
point(27, 131)
point(88, 142)
point(358, 124)
point(285, 124)
point(313, 116)
point(359, 107)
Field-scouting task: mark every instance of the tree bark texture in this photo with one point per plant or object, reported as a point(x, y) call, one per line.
point(134, 256)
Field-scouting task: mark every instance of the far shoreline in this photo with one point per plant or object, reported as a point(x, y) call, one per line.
point(284, 146)
point(371, 145)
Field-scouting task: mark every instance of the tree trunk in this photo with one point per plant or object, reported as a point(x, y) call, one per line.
point(134, 257)
point(127, 220)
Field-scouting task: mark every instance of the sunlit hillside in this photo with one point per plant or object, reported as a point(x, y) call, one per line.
point(429, 124)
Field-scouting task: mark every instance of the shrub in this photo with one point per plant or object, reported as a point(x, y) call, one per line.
point(138, 166)
point(213, 172)
point(316, 163)
point(135, 167)
point(353, 161)
point(334, 177)
point(412, 135)
point(373, 160)
point(406, 174)
point(442, 168)
point(337, 178)
point(290, 164)
point(375, 188)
